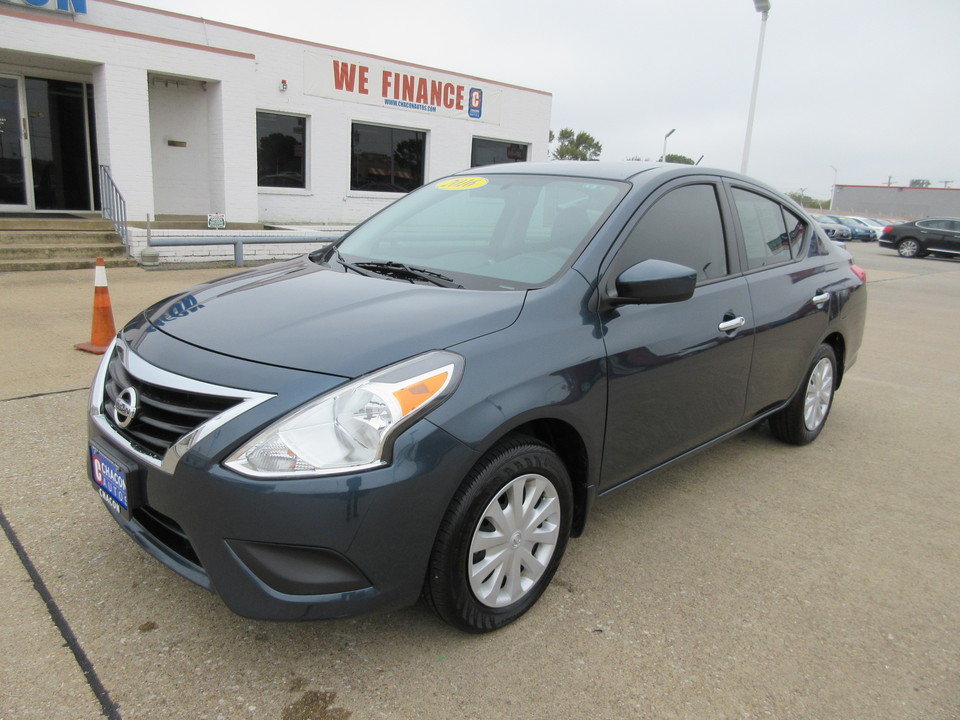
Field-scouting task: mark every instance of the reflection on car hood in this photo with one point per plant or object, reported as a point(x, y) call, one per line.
point(304, 316)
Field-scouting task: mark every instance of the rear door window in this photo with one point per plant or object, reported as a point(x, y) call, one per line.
point(771, 233)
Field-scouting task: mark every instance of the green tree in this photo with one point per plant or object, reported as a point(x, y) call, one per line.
point(680, 159)
point(575, 145)
point(805, 201)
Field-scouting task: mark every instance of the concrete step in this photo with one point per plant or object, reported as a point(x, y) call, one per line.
point(77, 264)
point(67, 251)
point(40, 223)
point(57, 237)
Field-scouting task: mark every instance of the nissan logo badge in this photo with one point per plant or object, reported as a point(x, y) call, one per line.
point(125, 407)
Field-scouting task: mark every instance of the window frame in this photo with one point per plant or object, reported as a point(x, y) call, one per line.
point(283, 189)
point(360, 192)
point(803, 249)
point(610, 269)
point(473, 140)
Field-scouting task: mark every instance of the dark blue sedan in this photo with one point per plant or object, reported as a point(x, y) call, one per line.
point(431, 406)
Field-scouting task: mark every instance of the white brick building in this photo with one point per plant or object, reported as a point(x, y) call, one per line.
point(196, 117)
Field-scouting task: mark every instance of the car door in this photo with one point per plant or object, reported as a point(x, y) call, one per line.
point(791, 290)
point(951, 237)
point(677, 372)
point(931, 234)
point(942, 234)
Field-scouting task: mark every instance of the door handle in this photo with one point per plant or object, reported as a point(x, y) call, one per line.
point(731, 325)
point(821, 298)
point(23, 121)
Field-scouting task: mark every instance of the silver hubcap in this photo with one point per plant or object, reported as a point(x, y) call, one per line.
point(514, 541)
point(908, 248)
point(819, 393)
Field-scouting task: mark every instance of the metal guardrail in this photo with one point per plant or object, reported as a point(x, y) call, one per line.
point(113, 207)
point(237, 241)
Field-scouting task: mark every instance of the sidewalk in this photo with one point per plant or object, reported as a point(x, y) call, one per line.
point(44, 314)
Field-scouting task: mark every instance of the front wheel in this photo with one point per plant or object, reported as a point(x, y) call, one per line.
point(502, 537)
point(802, 420)
point(908, 248)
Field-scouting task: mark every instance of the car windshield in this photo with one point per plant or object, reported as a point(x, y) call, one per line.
point(485, 231)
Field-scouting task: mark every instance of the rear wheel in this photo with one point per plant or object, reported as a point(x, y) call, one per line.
point(502, 537)
point(908, 248)
point(802, 420)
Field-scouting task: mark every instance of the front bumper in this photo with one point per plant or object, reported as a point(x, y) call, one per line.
point(297, 549)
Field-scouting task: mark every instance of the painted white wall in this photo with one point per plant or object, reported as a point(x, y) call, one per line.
point(181, 174)
point(125, 47)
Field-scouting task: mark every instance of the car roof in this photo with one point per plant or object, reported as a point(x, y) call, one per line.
point(625, 170)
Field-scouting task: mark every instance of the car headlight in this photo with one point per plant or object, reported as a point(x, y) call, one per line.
point(352, 427)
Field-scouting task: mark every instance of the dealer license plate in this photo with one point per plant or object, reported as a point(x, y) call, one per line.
point(111, 480)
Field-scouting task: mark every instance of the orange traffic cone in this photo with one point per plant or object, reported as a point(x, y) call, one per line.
point(103, 331)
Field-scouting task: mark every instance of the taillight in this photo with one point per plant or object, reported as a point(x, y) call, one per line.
point(888, 228)
point(859, 272)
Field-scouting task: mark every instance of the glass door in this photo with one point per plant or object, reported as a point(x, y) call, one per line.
point(16, 181)
point(59, 114)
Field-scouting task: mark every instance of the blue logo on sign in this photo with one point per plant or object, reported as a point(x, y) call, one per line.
point(78, 7)
point(475, 108)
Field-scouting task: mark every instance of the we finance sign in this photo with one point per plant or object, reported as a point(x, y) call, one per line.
point(401, 87)
point(74, 7)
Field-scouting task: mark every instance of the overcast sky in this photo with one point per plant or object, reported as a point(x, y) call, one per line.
point(869, 87)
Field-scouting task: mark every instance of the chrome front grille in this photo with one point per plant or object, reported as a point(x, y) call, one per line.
point(164, 416)
point(157, 414)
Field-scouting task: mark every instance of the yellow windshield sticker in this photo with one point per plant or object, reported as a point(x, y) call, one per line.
point(462, 183)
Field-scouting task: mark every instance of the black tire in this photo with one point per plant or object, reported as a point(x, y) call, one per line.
point(464, 586)
point(801, 421)
point(909, 247)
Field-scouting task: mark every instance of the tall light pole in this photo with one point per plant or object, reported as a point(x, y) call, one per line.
point(663, 158)
point(762, 6)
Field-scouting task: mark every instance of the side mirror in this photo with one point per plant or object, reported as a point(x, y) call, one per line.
point(654, 282)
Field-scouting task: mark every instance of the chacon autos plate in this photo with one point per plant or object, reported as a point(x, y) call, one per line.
point(112, 480)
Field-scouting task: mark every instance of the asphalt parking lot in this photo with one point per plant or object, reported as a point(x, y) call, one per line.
point(755, 581)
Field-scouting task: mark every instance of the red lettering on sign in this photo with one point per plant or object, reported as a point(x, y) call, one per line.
point(385, 83)
point(364, 80)
point(422, 91)
point(409, 85)
point(436, 92)
point(449, 95)
point(344, 75)
point(460, 91)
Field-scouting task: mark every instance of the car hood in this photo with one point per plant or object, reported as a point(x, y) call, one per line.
point(306, 316)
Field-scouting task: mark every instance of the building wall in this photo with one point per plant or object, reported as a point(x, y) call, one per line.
point(908, 203)
point(180, 146)
point(161, 77)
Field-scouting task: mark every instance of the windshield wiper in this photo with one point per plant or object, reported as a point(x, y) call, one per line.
point(403, 272)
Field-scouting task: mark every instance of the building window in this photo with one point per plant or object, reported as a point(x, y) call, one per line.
point(386, 159)
point(281, 150)
point(491, 152)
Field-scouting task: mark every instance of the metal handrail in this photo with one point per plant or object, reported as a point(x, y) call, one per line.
point(237, 241)
point(113, 207)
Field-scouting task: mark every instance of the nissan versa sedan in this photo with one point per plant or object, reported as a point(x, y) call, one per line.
point(429, 407)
